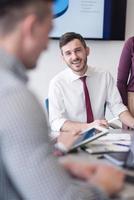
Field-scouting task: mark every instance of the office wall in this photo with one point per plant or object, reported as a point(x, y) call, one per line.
point(104, 55)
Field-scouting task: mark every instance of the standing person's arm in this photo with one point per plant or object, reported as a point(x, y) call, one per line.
point(27, 156)
point(124, 70)
point(98, 173)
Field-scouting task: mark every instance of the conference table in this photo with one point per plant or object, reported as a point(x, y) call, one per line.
point(128, 190)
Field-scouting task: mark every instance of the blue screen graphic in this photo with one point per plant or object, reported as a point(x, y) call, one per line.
point(60, 7)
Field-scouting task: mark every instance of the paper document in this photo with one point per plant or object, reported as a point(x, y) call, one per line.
point(114, 138)
point(104, 148)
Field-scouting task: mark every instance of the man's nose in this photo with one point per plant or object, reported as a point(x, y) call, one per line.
point(74, 55)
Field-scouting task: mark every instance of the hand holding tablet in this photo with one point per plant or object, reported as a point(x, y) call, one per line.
point(89, 135)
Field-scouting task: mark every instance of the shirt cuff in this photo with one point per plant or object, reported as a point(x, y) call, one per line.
point(61, 147)
point(57, 124)
point(119, 110)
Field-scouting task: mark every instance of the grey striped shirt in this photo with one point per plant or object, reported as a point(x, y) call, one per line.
point(27, 168)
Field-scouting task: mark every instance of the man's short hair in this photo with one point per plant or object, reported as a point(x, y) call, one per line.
point(69, 36)
point(12, 11)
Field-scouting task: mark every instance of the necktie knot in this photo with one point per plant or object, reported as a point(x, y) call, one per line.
point(83, 78)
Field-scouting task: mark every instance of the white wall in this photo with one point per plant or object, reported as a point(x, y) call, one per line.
point(104, 54)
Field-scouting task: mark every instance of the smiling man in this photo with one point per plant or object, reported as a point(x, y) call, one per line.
point(68, 109)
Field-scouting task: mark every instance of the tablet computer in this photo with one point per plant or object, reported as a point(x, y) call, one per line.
point(88, 135)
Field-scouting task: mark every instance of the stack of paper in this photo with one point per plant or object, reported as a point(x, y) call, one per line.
point(111, 142)
point(114, 138)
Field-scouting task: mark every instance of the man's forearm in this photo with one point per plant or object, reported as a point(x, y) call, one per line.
point(73, 126)
point(80, 126)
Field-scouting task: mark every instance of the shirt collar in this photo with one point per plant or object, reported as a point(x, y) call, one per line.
point(74, 76)
point(11, 63)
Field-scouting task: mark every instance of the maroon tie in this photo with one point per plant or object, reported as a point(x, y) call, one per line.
point(90, 117)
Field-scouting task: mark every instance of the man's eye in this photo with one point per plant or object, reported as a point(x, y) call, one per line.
point(78, 50)
point(67, 54)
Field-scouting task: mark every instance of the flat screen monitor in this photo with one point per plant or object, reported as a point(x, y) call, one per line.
point(93, 19)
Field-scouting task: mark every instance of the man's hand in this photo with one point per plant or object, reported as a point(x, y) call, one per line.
point(79, 127)
point(99, 122)
point(108, 178)
point(104, 176)
point(67, 138)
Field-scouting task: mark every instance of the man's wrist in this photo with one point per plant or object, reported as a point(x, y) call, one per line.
point(59, 149)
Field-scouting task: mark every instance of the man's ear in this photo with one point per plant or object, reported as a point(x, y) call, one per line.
point(29, 26)
point(62, 56)
point(87, 51)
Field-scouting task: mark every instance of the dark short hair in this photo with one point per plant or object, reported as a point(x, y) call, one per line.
point(19, 3)
point(69, 36)
point(12, 11)
point(7, 5)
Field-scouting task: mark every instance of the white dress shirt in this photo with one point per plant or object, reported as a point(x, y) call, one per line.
point(67, 101)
